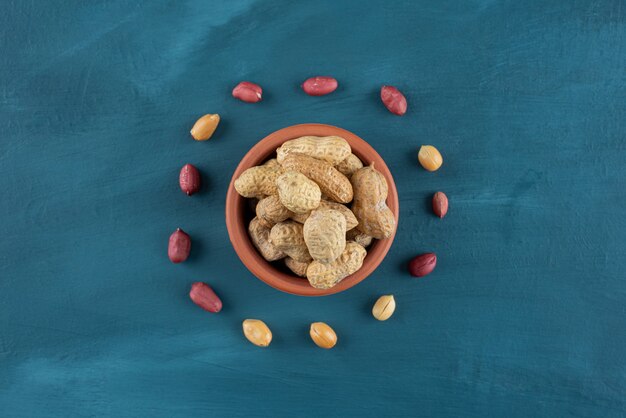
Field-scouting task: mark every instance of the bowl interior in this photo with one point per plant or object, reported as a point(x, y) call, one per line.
point(239, 213)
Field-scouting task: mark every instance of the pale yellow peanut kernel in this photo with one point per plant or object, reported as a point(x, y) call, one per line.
point(323, 335)
point(430, 158)
point(257, 332)
point(384, 307)
point(204, 127)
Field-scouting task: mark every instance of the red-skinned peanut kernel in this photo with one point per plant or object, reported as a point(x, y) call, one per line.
point(179, 246)
point(393, 100)
point(319, 86)
point(248, 92)
point(440, 204)
point(423, 264)
point(189, 179)
point(202, 295)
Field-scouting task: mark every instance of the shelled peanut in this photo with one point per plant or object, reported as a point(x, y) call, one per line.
point(303, 215)
point(323, 335)
point(257, 332)
point(179, 246)
point(204, 296)
point(319, 86)
point(384, 307)
point(204, 127)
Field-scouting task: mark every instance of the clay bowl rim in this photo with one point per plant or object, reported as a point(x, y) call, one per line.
point(236, 206)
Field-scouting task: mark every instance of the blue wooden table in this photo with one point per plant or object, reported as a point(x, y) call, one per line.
point(524, 314)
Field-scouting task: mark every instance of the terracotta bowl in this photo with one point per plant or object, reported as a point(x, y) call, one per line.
point(239, 213)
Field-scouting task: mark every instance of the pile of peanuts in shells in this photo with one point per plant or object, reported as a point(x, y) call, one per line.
point(318, 209)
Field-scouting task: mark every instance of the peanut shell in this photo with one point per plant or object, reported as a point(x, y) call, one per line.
point(332, 149)
point(351, 221)
point(297, 267)
point(359, 237)
point(330, 181)
point(297, 193)
point(369, 207)
point(271, 211)
point(259, 234)
point(325, 235)
point(288, 237)
point(325, 276)
point(258, 181)
point(350, 165)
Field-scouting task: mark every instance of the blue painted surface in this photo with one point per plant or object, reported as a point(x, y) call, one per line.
point(525, 313)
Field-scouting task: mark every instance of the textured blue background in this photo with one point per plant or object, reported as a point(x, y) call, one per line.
point(525, 313)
